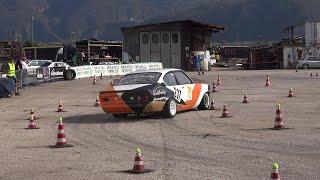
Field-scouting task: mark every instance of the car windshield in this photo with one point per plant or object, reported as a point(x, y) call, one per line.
point(46, 64)
point(139, 78)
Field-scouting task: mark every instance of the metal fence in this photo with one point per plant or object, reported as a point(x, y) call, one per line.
point(35, 76)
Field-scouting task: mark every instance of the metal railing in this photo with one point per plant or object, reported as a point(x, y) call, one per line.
point(35, 76)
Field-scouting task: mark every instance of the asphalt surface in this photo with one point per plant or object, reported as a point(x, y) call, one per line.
point(193, 145)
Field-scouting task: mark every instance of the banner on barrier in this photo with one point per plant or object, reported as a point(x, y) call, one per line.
point(113, 70)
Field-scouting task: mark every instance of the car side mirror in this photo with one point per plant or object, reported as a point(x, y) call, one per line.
point(163, 84)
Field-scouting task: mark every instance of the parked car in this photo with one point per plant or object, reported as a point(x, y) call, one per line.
point(37, 63)
point(224, 65)
point(167, 91)
point(54, 68)
point(101, 62)
point(34, 64)
point(309, 62)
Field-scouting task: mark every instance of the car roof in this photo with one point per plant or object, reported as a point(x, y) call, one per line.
point(162, 71)
point(40, 60)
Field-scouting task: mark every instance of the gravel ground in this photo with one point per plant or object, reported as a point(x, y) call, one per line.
point(193, 145)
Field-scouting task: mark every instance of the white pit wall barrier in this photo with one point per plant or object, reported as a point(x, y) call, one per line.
point(113, 70)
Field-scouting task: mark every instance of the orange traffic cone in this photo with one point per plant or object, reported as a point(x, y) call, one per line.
point(275, 172)
point(214, 87)
point(311, 74)
point(290, 93)
point(60, 107)
point(97, 102)
point(245, 99)
point(94, 79)
point(202, 72)
point(213, 104)
point(101, 77)
point(32, 123)
point(138, 162)
point(317, 74)
point(268, 83)
point(225, 113)
point(219, 81)
point(279, 124)
point(61, 137)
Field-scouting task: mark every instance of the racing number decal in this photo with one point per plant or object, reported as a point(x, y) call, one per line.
point(177, 94)
point(189, 92)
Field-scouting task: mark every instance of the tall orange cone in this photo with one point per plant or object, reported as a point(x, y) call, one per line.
point(290, 93)
point(213, 104)
point(275, 172)
point(138, 162)
point(279, 124)
point(61, 137)
point(97, 103)
point(32, 123)
point(311, 74)
point(317, 74)
point(60, 107)
point(94, 79)
point(101, 77)
point(219, 81)
point(214, 87)
point(245, 99)
point(225, 113)
point(268, 82)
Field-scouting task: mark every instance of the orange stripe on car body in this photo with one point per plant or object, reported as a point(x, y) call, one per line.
point(112, 103)
point(191, 103)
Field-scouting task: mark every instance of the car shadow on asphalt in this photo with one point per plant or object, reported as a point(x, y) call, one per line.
point(105, 118)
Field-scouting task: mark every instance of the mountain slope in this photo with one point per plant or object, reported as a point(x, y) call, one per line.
point(55, 20)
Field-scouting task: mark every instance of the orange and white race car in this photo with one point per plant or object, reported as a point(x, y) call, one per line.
point(160, 90)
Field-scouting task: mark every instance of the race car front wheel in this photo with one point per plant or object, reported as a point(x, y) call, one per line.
point(170, 109)
point(205, 102)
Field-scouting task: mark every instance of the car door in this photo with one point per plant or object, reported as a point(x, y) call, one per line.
point(311, 62)
point(171, 83)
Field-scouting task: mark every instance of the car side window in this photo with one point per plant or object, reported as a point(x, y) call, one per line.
point(169, 79)
point(182, 78)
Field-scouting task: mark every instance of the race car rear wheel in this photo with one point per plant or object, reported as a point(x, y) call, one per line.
point(119, 116)
point(170, 109)
point(205, 102)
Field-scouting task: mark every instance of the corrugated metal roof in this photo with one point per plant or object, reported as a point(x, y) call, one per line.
point(212, 27)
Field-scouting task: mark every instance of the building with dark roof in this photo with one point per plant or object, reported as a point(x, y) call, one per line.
point(171, 43)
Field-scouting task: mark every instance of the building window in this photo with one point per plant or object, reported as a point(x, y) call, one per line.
point(145, 38)
point(175, 38)
point(155, 38)
point(165, 38)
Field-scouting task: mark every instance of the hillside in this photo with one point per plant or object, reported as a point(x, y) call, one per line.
point(54, 20)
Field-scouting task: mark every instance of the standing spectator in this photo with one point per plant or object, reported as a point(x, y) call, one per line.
point(197, 63)
point(82, 56)
point(24, 70)
point(11, 74)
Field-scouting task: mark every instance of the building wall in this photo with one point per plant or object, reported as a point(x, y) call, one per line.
point(311, 33)
point(131, 45)
point(229, 53)
point(172, 55)
point(291, 55)
point(294, 31)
